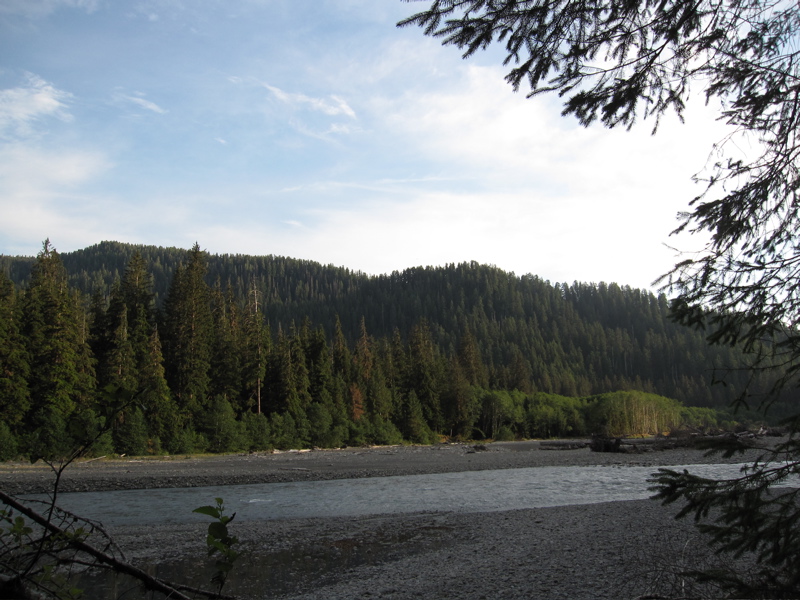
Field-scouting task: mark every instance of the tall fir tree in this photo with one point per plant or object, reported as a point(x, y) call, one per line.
point(458, 404)
point(256, 348)
point(137, 294)
point(342, 360)
point(61, 377)
point(118, 367)
point(163, 418)
point(423, 375)
point(137, 287)
point(226, 356)
point(364, 357)
point(188, 334)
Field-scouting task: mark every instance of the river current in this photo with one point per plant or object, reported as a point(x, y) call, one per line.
point(470, 491)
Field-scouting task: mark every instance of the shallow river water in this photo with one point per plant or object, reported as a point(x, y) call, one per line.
point(470, 491)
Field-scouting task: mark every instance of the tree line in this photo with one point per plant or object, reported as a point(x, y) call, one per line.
point(214, 367)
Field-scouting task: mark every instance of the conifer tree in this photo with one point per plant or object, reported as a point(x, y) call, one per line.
point(14, 369)
point(130, 358)
point(137, 294)
point(226, 358)
point(224, 432)
point(86, 362)
point(413, 424)
point(130, 432)
point(98, 327)
point(519, 373)
point(301, 398)
point(119, 366)
point(364, 358)
point(342, 360)
point(256, 348)
point(137, 287)
point(320, 371)
point(458, 404)
point(287, 384)
point(356, 402)
point(423, 375)
point(162, 415)
point(188, 334)
point(370, 397)
point(61, 378)
point(469, 358)
point(379, 397)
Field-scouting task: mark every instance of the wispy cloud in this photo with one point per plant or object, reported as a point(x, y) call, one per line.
point(326, 135)
point(139, 100)
point(332, 105)
point(21, 106)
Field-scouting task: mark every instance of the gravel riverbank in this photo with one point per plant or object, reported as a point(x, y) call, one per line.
point(316, 465)
point(604, 550)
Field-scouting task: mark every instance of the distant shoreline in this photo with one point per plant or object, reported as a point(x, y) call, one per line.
point(315, 465)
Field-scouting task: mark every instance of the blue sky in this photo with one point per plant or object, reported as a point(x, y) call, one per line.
point(316, 129)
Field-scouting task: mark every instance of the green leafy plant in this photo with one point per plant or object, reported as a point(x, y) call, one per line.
point(220, 541)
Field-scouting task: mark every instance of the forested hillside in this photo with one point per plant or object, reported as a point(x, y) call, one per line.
point(225, 350)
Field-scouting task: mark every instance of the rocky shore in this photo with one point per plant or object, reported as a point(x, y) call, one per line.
point(604, 550)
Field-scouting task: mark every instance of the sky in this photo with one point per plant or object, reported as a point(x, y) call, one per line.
point(317, 129)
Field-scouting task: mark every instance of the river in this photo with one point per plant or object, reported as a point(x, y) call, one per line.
point(470, 491)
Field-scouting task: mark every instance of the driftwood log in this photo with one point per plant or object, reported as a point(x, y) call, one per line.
point(602, 443)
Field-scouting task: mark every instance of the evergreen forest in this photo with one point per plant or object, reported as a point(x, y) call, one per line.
point(168, 350)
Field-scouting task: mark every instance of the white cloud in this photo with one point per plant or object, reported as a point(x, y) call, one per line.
point(515, 232)
point(21, 107)
point(504, 180)
point(603, 201)
point(332, 106)
point(41, 195)
point(558, 240)
point(139, 100)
